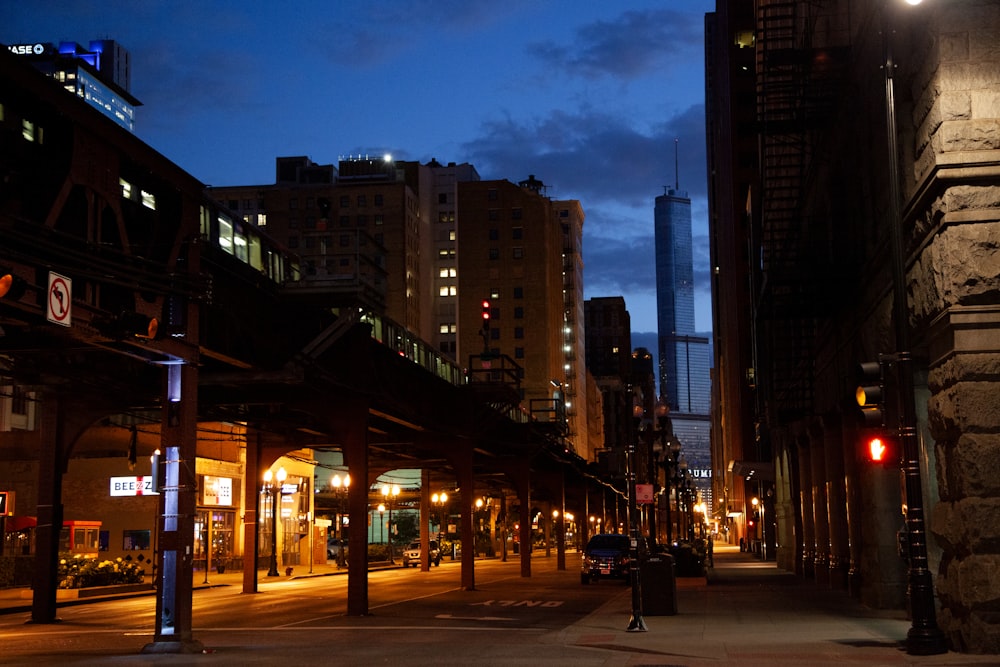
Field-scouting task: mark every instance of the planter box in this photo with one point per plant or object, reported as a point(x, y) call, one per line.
point(75, 593)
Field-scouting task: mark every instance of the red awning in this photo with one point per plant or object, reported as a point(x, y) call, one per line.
point(14, 524)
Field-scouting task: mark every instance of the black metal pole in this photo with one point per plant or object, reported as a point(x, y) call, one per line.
point(635, 623)
point(273, 570)
point(924, 637)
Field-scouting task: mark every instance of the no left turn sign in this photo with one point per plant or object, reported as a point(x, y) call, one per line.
point(60, 298)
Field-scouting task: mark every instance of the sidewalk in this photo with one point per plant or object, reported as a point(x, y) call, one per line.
point(750, 613)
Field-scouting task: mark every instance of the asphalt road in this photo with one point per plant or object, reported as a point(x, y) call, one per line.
point(416, 618)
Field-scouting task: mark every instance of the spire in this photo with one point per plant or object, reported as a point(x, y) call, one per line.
point(677, 175)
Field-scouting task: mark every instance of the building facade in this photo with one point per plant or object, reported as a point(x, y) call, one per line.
point(608, 332)
point(100, 74)
point(520, 251)
point(867, 230)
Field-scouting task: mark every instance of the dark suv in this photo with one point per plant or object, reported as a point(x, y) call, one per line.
point(606, 556)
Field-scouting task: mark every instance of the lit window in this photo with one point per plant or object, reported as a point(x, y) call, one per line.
point(225, 234)
point(149, 200)
point(126, 188)
point(28, 130)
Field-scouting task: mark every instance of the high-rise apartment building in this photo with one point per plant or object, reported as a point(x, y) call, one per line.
point(608, 332)
point(357, 227)
point(519, 250)
point(684, 355)
point(432, 242)
point(441, 205)
point(101, 74)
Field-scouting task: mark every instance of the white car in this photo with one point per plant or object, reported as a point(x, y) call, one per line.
point(412, 553)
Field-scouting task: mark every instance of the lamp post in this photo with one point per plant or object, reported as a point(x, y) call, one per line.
point(272, 484)
point(340, 489)
point(924, 637)
point(636, 622)
point(389, 492)
point(381, 525)
point(439, 500)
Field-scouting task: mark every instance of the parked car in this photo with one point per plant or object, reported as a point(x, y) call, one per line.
point(606, 556)
point(334, 546)
point(412, 553)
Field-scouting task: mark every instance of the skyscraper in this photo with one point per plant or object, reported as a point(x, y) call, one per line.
point(684, 355)
point(101, 74)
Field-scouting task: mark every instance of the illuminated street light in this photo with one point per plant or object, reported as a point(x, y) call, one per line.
point(390, 492)
point(340, 488)
point(439, 500)
point(272, 485)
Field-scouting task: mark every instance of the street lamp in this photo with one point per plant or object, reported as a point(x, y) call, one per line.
point(924, 636)
point(389, 492)
point(340, 489)
point(636, 622)
point(272, 485)
point(439, 500)
point(381, 525)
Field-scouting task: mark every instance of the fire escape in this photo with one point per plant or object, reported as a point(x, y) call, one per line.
point(796, 84)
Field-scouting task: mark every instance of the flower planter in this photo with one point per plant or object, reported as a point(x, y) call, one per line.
point(75, 593)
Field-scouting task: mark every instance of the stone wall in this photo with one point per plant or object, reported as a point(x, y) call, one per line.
point(954, 288)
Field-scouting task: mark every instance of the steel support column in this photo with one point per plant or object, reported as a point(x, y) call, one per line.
point(355, 437)
point(178, 502)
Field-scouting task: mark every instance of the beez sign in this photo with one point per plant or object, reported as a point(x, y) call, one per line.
point(132, 486)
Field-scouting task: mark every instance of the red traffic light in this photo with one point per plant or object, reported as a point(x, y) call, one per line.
point(877, 449)
point(880, 450)
point(486, 310)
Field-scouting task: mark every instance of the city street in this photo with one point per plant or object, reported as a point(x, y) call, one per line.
point(747, 613)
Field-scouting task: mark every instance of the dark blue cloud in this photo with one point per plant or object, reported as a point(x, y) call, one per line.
point(632, 44)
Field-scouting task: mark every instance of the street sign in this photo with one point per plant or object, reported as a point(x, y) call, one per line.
point(644, 494)
point(59, 301)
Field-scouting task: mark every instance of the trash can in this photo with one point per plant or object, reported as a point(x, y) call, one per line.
point(659, 585)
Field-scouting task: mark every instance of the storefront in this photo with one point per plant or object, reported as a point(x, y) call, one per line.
point(215, 536)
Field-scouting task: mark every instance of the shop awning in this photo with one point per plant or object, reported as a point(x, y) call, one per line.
point(15, 524)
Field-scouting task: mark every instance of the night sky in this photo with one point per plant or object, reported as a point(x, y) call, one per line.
point(587, 96)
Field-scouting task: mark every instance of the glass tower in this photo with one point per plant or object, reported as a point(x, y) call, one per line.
point(684, 355)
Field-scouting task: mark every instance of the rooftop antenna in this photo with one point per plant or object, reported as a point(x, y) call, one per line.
point(677, 177)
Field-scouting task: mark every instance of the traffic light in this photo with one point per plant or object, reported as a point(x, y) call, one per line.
point(486, 315)
point(881, 449)
point(870, 394)
point(11, 287)
point(129, 324)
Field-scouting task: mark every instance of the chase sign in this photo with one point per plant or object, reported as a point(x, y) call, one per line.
point(27, 49)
